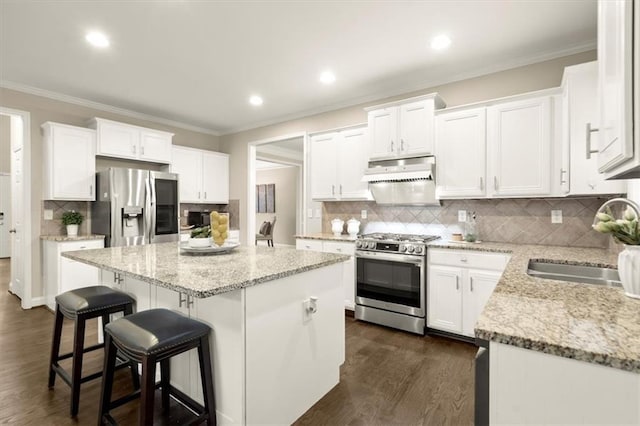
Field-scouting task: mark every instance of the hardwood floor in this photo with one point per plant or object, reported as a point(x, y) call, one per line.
point(389, 377)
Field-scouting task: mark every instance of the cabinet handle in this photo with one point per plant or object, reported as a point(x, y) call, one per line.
point(134, 149)
point(90, 190)
point(463, 260)
point(457, 283)
point(142, 150)
point(391, 146)
point(181, 300)
point(471, 283)
point(589, 150)
point(205, 195)
point(495, 183)
point(340, 189)
point(189, 301)
point(562, 172)
point(481, 183)
point(401, 144)
point(308, 247)
point(198, 195)
point(333, 190)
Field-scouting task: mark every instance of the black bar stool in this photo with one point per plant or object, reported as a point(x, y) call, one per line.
point(81, 305)
point(155, 336)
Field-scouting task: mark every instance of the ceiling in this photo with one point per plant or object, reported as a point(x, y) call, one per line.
point(197, 63)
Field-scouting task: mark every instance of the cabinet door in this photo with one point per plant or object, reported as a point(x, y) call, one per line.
point(461, 152)
point(215, 178)
point(187, 163)
point(155, 146)
point(383, 132)
point(73, 163)
point(477, 289)
point(444, 298)
point(75, 275)
point(353, 158)
point(324, 169)
point(615, 78)
point(117, 140)
point(416, 128)
point(519, 146)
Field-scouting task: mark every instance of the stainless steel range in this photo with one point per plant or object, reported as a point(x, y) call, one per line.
point(391, 280)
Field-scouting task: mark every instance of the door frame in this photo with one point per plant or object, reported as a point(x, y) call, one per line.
point(251, 183)
point(28, 239)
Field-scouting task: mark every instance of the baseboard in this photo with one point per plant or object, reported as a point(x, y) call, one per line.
point(38, 301)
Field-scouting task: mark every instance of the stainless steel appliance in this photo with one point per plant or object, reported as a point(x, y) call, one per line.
point(406, 181)
point(391, 280)
point(135, 207)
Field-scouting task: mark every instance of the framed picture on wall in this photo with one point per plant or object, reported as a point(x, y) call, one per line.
point(266, 198)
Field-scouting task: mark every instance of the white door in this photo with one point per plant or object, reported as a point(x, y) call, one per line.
point(383, 132)
point(117, 140)
point(478, 288)
point(215, 178)
point(324, 166)
point(444, 299)
point(5, 215)
point(187, 163)
point(155, 146)
point(519, 146)
point(416, 128)
point(17, 244)
point(461, 152)
point(352, 151)
point(74, 163)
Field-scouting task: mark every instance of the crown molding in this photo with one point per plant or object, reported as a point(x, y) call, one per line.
point(19, 87)
point(423, 85)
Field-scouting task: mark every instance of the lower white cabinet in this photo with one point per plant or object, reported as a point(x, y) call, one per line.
point(338, 247)
point(459, 284)
point(61, 274)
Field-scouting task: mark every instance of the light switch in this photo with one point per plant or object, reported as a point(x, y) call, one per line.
point(556, 216)
point(48, 214)
point(363, 214)
point(462, 215)
point(186, 213)
point(317, 213)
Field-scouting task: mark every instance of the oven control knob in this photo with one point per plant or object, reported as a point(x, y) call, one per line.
point(418, 250)
point(358, 244)
point(410, 249)
point(372, 245)
point(403, 248)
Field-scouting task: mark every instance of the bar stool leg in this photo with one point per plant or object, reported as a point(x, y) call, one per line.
point(55, 346)
point(165, 383)
point(107, 378)
point(148, 390)
point(128, 310)
point(76, 369)
point(206, 374)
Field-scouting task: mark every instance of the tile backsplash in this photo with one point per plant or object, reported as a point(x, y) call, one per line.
point(55, 226)
point(524, 221)
point(233, 208)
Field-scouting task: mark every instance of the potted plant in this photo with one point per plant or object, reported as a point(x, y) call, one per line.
point(200, 237)
point(627, 232)
point(72, 219)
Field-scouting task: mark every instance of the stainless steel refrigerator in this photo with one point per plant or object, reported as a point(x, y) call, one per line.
point(135, 207)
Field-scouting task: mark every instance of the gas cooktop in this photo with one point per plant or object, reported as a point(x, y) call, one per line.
point(404, 238)
point(394, 243)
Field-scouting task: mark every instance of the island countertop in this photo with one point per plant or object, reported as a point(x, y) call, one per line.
point(587, 322)
point(204, 276)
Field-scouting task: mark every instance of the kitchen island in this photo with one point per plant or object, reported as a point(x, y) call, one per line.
point(277, 317)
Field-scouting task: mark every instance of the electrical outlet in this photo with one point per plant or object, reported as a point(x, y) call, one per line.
point(310, 213)
point(556, 216)
point(317, 213)
point(462, 215)
point(363, 214)
point(186, 213)
point(48, 214)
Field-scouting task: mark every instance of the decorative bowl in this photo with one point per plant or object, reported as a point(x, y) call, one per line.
point(199, 242)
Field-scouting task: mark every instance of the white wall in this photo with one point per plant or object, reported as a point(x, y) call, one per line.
point(5, 144)
point(286, 181)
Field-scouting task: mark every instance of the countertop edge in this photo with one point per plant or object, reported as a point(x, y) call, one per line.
point(327, 237)
point(66, 238)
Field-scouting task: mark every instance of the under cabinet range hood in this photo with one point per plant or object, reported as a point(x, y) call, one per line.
point(406, 181)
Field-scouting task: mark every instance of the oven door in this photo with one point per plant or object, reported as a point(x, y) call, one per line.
point(393, 282)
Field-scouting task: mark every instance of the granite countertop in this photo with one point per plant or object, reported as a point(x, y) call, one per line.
point(326, 237)
point(204, 276)
point(580, 321)
point(67, 238)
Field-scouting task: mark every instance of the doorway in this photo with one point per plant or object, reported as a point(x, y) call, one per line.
point(18, 218)
point(277, 161)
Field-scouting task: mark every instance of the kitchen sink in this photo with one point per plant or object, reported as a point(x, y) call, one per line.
point(574, 273)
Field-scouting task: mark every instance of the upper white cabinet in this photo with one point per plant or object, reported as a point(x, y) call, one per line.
point(519, 138)
point(579, 174)
point(337, 162)
point(203, 175)
point(615, 59)
point(126, 141)
point(461, 153)
point(403, 129)
point(69, 155)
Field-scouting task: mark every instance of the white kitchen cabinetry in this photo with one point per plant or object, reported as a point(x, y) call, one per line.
point(337, 163)
point(617, 152)
point(69, 155)
point(349, 272)
point(126, 141)
point(459, 284)
point(519, 147)
point(404, 128)
point(203, 175)
point(579, 174)
point(61, 274)
point(461, 145)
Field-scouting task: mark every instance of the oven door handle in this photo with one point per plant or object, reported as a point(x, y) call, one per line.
point(401, 258)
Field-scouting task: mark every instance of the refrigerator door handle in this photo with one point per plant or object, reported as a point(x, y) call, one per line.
point(152, 206)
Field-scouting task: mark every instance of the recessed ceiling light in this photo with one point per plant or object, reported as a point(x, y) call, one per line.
point(440, 42)
point(255, 100)
point(327, 77)
point(97, 39)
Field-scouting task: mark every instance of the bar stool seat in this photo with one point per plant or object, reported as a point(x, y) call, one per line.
point(154, 336)
point(81, 305)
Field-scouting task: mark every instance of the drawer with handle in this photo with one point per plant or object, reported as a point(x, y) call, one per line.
point(81, 245)
point(315, 245)
point(339, 248)
point(468, 258)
